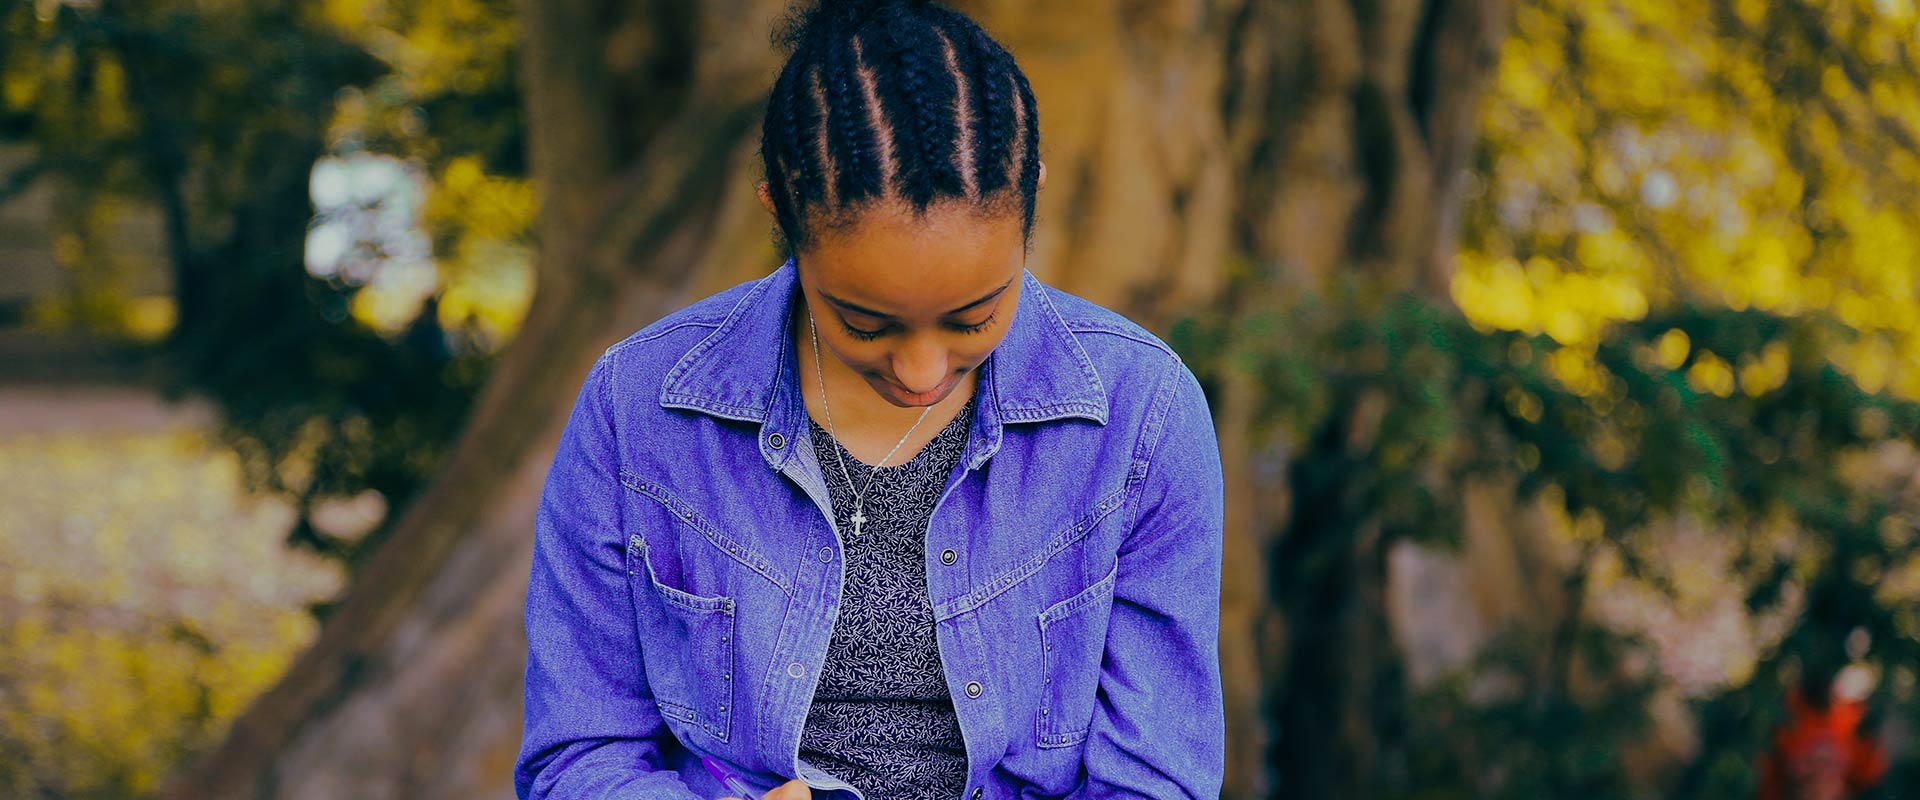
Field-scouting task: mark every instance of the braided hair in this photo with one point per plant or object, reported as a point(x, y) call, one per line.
point(894, 100)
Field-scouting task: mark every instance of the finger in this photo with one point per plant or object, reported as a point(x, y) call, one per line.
point(791, 790)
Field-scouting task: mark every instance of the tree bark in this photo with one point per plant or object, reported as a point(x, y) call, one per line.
point(1351, 125)
point(1181, 138)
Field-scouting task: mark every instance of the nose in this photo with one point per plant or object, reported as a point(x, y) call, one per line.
point(921, 366)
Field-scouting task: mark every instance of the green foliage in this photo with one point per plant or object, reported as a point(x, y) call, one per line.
point(216, 115)
point(1701, 212)
point(1509, 727)
point(1388, 411)
point(450, 103)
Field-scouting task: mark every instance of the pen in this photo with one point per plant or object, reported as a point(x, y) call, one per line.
point(735, 786)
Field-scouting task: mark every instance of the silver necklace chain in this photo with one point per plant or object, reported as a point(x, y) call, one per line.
point(860, 495)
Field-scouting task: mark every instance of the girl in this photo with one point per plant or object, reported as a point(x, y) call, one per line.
point(896, 520)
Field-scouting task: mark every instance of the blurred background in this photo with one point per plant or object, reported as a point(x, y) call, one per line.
point(1565, 356)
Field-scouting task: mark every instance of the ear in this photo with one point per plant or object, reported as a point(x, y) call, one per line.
point(1041, 183)
point(766, 197)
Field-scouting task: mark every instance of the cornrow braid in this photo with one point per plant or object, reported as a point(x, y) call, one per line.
point(799, 115)
point(817, 101)
point(993, 111)
point(849, 132)
point(1029, 162)
point(923, 106)
point(789, 180)
point(894, 100)
point(964, 115)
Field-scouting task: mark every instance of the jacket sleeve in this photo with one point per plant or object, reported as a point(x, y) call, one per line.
point(1159, 726)
point(591, 727)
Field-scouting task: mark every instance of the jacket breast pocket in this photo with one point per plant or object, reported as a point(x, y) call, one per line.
point(1073, 641)
point(687, 647)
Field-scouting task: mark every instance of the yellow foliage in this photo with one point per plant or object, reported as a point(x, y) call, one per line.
point(110, 98)
point(488, 274)
point(1576, 368)
point(148, 602)
point(1711, 374)
point(1834, 82)
point(1766, 373)
point(480, 225)
point(1658, 156)
point(1524, 404)
point(151, 318)
point(1768, 279)
point(1872, 361)
point(1674, 347)
point(1494, 292)
point(493, 291)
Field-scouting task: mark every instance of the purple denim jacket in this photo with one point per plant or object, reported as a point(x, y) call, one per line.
point(687, 574)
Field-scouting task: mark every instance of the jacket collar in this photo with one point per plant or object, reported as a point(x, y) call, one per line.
point(745, 370)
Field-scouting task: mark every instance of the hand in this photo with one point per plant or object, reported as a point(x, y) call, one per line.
point(791, 790)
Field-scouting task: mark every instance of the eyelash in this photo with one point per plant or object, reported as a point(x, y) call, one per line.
point(868, 336)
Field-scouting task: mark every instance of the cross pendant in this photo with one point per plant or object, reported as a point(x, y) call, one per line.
point(859, 519)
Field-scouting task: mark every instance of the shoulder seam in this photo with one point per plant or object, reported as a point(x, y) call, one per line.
point(1165, 391)
point(600, 381)
point(640, 339)
point(1094, 327)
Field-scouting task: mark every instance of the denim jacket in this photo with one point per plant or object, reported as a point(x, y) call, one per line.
point(687, 574)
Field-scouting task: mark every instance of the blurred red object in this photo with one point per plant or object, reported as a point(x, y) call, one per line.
point(1820, 754)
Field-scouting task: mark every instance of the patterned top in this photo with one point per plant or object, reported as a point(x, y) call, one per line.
point(881, 718)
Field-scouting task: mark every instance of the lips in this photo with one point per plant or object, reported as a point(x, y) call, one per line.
point(926, 398)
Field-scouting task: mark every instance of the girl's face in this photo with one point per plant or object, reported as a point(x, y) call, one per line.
point(913, 305)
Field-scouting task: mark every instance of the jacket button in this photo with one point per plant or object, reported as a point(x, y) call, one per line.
point(973, 688)
point(776, 440)
point(948, 557)
point(826, 554)
point(796, 670)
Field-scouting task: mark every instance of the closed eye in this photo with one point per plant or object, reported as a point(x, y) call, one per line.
point(865, 336)
point(979, 326)
point(868, 336)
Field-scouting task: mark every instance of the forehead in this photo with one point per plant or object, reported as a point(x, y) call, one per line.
point(893, 261)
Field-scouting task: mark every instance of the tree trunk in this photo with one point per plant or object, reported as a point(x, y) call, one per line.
point(1351, 125)
point(1181, 137)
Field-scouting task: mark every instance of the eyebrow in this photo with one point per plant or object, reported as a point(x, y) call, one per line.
point(859, 309)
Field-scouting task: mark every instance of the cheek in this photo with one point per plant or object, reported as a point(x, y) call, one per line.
point(972, 356)
point(974, 350)
point(866, 361)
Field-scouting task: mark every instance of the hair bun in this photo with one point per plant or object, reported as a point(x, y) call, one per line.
point(816, 17)
point(851, 13)
point(861, 7)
